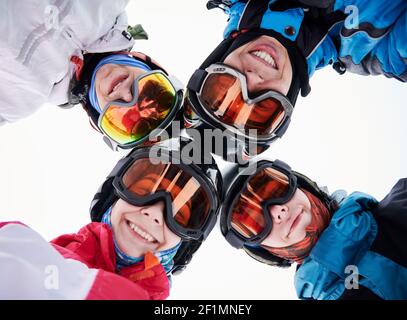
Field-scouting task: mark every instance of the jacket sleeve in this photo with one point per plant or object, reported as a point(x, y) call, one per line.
point(37, 43)
point(21, 93)
point(32, 269)
point(93, 246)
point(374, 37)
point(391, 51)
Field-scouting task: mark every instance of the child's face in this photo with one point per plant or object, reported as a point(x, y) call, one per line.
point(114, 82)
point(138, 230)
point(265, 63)
point(289, 221)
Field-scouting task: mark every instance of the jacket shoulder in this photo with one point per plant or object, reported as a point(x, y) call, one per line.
point(92, 245)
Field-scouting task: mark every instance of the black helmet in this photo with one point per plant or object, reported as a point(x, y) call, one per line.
point(208, 172)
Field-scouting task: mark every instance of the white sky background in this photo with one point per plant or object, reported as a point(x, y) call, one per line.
point(349, 133)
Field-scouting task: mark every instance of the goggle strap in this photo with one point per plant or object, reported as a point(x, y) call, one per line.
point(144, 58)
point(283, 128)
point(117, 168)
point(184, 255)
point(267, 258)
point(233, 239)
point(178, 85)
point(94, 126)
point(196, 80)
point(281, 164)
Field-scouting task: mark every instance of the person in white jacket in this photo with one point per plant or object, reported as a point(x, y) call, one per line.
point(49, 51)
point(39, 42)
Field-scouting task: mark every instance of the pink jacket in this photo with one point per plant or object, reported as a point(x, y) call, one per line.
point(73, 266)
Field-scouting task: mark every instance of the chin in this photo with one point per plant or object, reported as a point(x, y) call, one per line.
point(129, 250)
point(128, 247)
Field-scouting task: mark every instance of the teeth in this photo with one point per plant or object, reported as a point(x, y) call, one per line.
point(266, 57)
point(141, 233)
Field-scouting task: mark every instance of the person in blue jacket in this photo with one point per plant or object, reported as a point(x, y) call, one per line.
point(272, 47)
point(345, 247)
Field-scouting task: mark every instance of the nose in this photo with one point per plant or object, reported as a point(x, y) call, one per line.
point(279, 213)
point(122, 93)
point(254, 81)
point(155, 212)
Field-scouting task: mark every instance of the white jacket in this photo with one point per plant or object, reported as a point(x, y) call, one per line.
point(38, 39)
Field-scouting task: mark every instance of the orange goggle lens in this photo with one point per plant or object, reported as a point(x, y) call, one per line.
point(190, 201)
point(247, 216)
point(222, 96)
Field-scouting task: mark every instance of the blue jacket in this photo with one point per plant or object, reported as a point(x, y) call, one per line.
point(344, 256)
point(364, 36)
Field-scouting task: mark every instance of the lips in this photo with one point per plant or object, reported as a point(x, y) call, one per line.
point(141, 233)
point(266, 54)
point(265, 57)
point(117, 82)
point(296, 221)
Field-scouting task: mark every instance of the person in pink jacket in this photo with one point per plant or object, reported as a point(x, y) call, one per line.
point(83, 266)
point(148, 220)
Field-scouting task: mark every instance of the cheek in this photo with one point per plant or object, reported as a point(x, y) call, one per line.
point(287, 76)
point(277, 232)
point(99, 95)
point(116, 215)
point(307, 219)
point(233, 60)
point(275, 238)
point(116, 225)
point(301, 232)
point(115, 218)
point(102, 73)
point(102, 81)
point(105, 70)
point(171, 239)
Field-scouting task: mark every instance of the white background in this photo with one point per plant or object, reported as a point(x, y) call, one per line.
point(349, 133)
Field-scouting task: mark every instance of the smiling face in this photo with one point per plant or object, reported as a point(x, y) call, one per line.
point(114, 82)
point(138, 230)
point(289, 221)
point(265, 63)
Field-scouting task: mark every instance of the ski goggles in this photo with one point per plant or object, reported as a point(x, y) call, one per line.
point(246, 215)
point(191, 201)
point(224, 97)
point(156, 100)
